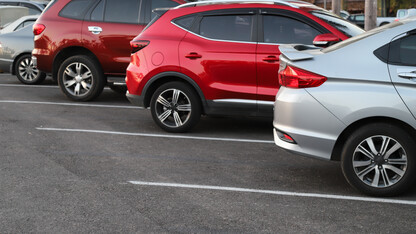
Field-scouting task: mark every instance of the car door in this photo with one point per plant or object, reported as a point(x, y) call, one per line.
point(107, 30)
point(278, 27)
point(402, 68)
point(219, 54)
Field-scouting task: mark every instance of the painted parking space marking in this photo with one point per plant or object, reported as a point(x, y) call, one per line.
point(155, 135)
point(28, 86)
point(276, 192)
point(69, 104)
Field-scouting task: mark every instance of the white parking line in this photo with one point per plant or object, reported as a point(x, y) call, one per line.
point(69, 104)
point(276, 192)
point(154, 135)
point(35, 86)
point(28, 86)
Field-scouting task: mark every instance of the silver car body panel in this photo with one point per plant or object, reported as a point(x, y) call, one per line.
point(13, 45)
point(359, 86)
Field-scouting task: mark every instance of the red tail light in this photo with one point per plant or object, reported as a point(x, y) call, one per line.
point(38, 29)
point(138, 45)
point(293, 77)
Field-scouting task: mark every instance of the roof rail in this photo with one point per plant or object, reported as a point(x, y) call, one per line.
point(212, 2)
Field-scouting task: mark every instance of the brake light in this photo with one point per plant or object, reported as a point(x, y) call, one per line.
point(38, 29)
point(138, 45)
point(293, 77)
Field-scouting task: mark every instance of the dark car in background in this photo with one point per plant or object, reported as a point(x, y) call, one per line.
point(85, 44)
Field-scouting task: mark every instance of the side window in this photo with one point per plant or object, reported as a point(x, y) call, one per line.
point(185, 22)
point(227, 27)
point(402, 51)
point(24, 24)
point(162, 4)
point(124, 11)
point(75, 9)
point(98, 13)
point(285, 30)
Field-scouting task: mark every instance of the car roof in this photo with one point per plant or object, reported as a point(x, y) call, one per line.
point(290, 3)
point(39, 4)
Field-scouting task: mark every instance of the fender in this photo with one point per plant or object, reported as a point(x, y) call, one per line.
point(181, 76)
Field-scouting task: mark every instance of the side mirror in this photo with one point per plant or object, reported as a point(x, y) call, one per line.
point(325, 40)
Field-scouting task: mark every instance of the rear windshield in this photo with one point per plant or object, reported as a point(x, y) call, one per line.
point(362, 36)
point(349, 29)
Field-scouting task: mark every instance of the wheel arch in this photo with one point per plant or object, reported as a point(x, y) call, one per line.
point(336, 152)
point(69, 52)
point(162, 78)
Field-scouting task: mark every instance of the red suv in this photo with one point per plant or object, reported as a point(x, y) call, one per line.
point(85, 44)
point(221, 58)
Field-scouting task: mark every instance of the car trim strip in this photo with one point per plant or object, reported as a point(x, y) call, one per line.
point(243, 101)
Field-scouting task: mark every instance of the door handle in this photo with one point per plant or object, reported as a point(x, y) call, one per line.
point(407, 75)
point(95, 29)
point(193, 55)
point(271, 59)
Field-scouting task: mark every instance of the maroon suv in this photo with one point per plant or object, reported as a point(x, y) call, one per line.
point(85, 44)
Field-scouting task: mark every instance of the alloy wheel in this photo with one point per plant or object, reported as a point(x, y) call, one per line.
point(77, 79)
point(380, 161)
point(173, 108)
point(27, 70)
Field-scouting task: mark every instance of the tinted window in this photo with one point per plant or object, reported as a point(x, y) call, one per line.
point(24, 24)
point(284, 30)
point(402, 51)
point(75, 9)
point(98, 13)
point(227, 27)
point(122, 11)
point(185, 22)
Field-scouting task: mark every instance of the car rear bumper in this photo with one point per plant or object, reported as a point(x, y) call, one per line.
point(313, 128)
point(136, 100)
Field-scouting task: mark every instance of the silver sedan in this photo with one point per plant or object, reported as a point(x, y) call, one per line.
point(354, 102)
point(15, 55)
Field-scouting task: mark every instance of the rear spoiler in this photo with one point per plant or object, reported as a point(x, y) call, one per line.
point(297, 52)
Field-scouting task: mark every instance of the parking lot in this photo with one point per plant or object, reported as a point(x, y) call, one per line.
point(104, 166)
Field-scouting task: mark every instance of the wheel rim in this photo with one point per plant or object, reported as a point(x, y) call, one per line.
point(27, 70)
point(380, 161)
point(173, 108)
point(77, 79)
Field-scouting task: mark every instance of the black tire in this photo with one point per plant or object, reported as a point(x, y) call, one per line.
point(26, 72)
point(83, 85)
point(181, 115)
point(121, 89)
point(378, 170)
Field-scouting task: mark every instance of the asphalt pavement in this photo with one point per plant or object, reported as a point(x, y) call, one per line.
point(105, 167)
